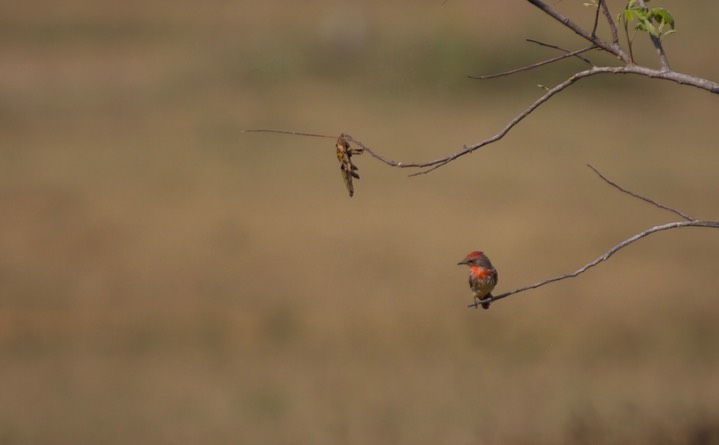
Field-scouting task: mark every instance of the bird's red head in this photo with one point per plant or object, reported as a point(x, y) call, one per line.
point(476, 259)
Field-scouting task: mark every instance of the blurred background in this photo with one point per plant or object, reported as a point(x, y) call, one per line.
point(168, 279)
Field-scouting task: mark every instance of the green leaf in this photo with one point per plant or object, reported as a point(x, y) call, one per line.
point(654, 21)
point(628, 15)
point(647, 26)
point(662, 16)
point(671, 31)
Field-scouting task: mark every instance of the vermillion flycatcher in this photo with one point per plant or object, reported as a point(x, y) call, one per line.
point(482, 276)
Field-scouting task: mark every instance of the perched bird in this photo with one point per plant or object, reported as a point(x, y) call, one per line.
point(482, 276)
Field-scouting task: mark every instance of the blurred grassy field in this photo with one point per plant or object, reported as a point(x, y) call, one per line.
point(167, 279)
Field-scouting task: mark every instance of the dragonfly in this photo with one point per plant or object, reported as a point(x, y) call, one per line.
point(344, 152)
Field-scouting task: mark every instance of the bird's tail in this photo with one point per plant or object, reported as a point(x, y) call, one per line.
point(486, 305)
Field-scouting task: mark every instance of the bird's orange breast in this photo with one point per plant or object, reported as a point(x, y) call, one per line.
point(481, 273)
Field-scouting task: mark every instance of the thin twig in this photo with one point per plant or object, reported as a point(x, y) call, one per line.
point(610, 21)
point(429, 166)
point(296, 133)
point(657, 42)
point(372, 152)
point(613, 49)
point(596, 19)
point(603, 257)
point(630, 41)
point(572, 53)
point(538, 64)
point(432, 165)
point(663, 59)
point(638, 196)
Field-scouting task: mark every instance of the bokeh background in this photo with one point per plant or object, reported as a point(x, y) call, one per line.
point(168, 279)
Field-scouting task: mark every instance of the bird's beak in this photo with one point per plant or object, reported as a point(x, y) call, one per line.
point(462, 262)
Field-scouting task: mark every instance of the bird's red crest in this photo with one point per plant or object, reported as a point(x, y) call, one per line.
point(477, 259)
point(477, 254)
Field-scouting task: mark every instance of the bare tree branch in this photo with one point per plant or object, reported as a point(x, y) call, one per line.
point(643, 198)
point(574, 53)
point(610, 21)
point(293, 133)
point(596, 43)
point(429, 166)
point(432, 165)
point(542, 63)
point(538, 64)
point(602, 258)
point(690, 222)
point(657, 42)
point(596, 19)
point(610, 48)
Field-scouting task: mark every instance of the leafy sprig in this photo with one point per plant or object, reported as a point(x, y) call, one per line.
point(658, 22)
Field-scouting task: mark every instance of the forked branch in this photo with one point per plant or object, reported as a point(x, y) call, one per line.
point(596, 42)
point(612, 48)
point(429, 166)
point(688, 222)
